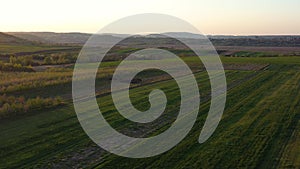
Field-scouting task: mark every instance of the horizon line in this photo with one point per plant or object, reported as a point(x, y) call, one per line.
point(279, 34)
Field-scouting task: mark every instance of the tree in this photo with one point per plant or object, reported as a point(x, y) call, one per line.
point(48, 60)
point(26, 60)
point(12, 60)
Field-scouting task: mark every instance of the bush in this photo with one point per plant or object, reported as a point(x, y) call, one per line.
point(18, 81)
point(61, 58)
point(22, 60)
point(14, 67)
point(11, 106)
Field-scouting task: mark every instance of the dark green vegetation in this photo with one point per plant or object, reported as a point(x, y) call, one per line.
point(6, 49)
point(8, 67)
point(12, 106)
point(259, 129)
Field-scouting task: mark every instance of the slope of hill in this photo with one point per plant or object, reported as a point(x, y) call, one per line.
point(53, 38)
point(10, 44)
point(217, 40)
point(10, 39)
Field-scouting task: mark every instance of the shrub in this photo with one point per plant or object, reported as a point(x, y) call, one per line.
point(14, 67)
point(11, 106)
point(22, 60)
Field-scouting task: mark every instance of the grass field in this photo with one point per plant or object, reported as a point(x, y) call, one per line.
point(11, 49)
point(259, 128)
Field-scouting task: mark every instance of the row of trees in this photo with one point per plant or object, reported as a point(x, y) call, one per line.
point(11, 106)
point(49, 59)
point(22, 60)
point(9, 67)
point(61, 58)
point(18, 81)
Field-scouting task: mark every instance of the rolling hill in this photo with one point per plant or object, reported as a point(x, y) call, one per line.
point(52, 37)
point(10, 39)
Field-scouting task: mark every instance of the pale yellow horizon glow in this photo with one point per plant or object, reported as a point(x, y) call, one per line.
point(230, 17)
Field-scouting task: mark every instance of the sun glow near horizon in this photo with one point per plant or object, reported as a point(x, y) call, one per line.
point(234, 17)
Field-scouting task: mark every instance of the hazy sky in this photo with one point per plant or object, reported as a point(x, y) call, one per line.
point(209, 16)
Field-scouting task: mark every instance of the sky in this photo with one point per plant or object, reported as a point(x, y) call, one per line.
point(215, 17)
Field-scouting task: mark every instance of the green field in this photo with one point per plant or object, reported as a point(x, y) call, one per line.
point(259, 128)
point(11, 49)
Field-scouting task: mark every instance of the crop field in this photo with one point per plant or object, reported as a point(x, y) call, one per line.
point(13, 49)
point(259, 128)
